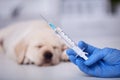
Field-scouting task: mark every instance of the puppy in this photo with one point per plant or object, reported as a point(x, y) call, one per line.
point(32, 42)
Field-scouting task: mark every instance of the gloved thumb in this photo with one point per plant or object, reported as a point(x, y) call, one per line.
point(95, 57)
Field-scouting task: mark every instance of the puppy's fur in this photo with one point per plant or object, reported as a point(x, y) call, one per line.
point(32, 42)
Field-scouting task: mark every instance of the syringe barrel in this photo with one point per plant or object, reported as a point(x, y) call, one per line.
point(70, 43)
point(67, 40)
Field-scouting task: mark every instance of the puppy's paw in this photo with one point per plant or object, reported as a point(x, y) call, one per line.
point(1, 46)
point(64, 57)
point(26, 61)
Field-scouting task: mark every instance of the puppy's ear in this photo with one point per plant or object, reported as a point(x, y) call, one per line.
point(20, 51)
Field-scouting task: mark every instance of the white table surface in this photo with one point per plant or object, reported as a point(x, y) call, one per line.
point(10, 70)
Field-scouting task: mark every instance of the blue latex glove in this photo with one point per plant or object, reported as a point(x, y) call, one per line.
point(101, 62)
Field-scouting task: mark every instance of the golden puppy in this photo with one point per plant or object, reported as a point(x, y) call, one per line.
point(32, 42)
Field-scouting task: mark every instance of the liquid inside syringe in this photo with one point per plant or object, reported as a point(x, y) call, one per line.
point(68, 41)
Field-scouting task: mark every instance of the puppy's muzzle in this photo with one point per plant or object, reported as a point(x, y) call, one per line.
point(47, 56)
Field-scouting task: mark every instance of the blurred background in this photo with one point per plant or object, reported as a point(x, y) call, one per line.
point(94, 21)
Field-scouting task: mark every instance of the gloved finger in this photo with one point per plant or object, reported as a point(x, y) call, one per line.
point(86, 47)
point(72, 59)
point(82, 66)
point(94, 58)
point(70, 52)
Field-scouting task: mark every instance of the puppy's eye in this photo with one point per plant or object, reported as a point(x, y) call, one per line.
point(39, 46)
point(55, 47)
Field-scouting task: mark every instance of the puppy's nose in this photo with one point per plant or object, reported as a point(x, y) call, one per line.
point(48, 55)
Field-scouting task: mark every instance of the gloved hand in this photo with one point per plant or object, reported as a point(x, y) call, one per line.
point(101, 62)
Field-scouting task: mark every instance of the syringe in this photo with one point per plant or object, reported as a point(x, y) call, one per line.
point(71, 44)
